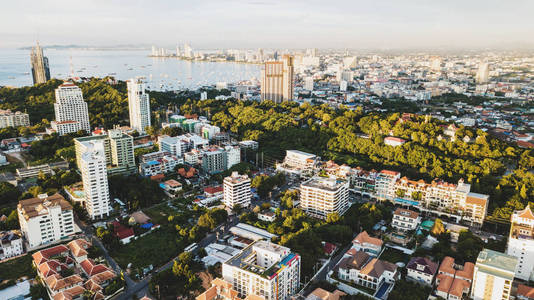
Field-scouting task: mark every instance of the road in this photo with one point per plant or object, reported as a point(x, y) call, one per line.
point(140, 288)
point(321, 275)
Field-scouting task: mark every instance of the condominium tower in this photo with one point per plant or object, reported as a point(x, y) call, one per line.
point(277, 80)
point(521, 243)
point(71, 111)
point(236, 190)
point(40, 68)
point(139, 105)
point(264, 269)
point(118, 149)
point(321, 196)
point(13, 119)
point(482, 75)
point(95, 180)
point(45, 219)
point(494, 274)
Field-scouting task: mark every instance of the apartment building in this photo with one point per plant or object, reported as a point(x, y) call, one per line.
point(264, 269)
point(521, 243)
point(370, 245)
point(321, 196)
point(297, 162)
point(10, 244)
point(118, 151)
point(214, 160)
point(405, 219)
point(95, 180)
point(222, 290)
point(71, 110)
point(367, 271)
point(385, 184)
point(236, 190)
point(138, 105)
point(45, 219)
point(161, 165)
point(421, 270)
point(13, 119)
point(233, 155)
point(177, 145)
point(277, 80)
point(494, 274)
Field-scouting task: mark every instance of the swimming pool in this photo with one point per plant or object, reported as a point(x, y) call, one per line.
point(427, 225)
point(78, 194)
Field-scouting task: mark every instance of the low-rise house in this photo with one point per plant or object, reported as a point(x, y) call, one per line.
point(453, 282)
point(421, 270)
point(267, 216)
point(172, 186)
point(405, 219)
point(363, 242)
point(367, 271)
point(123, 233)
point(394, 141)
point(321, 294)
point(10, 244)
point(84, 275)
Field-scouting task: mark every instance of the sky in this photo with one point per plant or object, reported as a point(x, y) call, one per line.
point(355, 24)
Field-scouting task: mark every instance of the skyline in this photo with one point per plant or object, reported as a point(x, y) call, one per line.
point(413, 24)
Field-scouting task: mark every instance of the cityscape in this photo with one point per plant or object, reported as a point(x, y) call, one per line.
point(267, 151)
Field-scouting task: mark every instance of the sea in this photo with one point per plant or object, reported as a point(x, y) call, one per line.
point(160, 73)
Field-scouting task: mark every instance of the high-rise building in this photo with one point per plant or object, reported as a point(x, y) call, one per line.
point(214, 160)
point(321, 196)
point(277, 80)
point(264, 269)
point(176, 145)
point(71, 110)
point(95, 180)
point(138, 105)
point(308, 83)
point(236, 190)
point(188, 51)
point(233, 155)
point(40, 68)
point(118, 149)
point(482, 73)
point(521, 243)
point(494, 274)
point(13, 119)
point(45, 219)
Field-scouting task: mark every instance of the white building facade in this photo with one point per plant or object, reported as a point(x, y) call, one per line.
point(45, 219)
point(95, 180)
point(138, 105)
point(236, 190)
point(264, 269)
point(521, 243)
point(71, 110)
point(320, 196)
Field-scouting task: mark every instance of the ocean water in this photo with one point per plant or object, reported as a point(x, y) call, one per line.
point(160, 73)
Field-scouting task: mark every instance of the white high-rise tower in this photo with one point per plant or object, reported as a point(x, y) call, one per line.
point(95, 179)
point(139, 105)
point(482, 73)
point(71, 111)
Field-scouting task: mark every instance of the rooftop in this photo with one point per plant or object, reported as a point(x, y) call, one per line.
point(251, 258)
point(324, 183)
point(496, 263)
point(37, 206)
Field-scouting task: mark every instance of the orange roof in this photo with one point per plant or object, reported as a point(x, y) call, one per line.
point(467, 272)
point(445, 282)
point(526, 213)
point(363, 237)
point(458, 287)
point(90, 268)
point(388, 172)
point(78, 247)
point(475, 200)
point(447, 265)
point(525, 291)
point(219, 287)
point(70, 293)
point(43, 255)
point(326, 295)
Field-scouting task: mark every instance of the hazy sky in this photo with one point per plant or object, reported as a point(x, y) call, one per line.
point(270, 23)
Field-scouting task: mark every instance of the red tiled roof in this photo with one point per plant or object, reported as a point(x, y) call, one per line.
point(122, 231)
point(213, 189)
point(90, 268)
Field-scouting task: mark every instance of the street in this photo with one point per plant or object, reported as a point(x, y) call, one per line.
point(140, 288)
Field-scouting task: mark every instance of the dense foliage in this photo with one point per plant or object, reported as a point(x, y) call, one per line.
point(350, 136)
